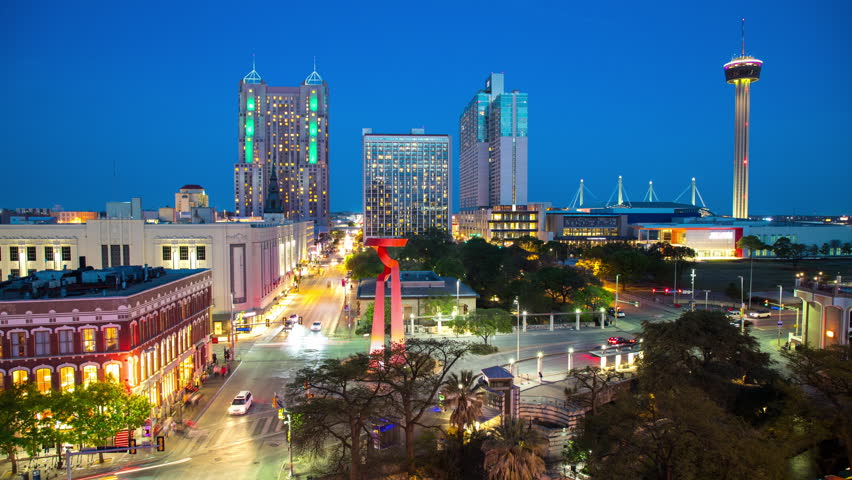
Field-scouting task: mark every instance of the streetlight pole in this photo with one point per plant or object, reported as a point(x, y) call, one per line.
point(706, 297)
point(692, 292)
point(675, 283)
point(518, 330)
point(616, 297)
point(742, 305)
point(780, 309)
point(458, 305)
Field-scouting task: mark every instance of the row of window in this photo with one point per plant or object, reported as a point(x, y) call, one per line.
point(31, 253)
point(67, 377)
point(183, 252)
point(43, 345)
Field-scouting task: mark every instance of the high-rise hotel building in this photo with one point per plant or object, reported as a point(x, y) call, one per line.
point(406, 183)
point(493, 148)
point(285, 129)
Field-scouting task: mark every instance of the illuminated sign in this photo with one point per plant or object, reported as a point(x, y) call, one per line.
point(721, 235)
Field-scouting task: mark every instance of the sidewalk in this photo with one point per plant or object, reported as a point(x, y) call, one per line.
point(87, 465)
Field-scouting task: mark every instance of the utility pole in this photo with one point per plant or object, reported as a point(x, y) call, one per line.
point(692, 302)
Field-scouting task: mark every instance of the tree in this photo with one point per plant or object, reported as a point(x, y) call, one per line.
point(466, 397)
point(483, 323)
point(104, 408)
point(559, 283)
point(592, 297)
point(826, 374)
point(751, 243)
point(440, 305)
point(825, 249)
point(364, 264)
point(344, 400)
point(413, 373)
point(704, 350)
point(677, 433)
point(595, 381)
point(514, 452)
point(365, 324)
point(846, 249)
point(631, 264)
point(60, 408)
point(18, 420)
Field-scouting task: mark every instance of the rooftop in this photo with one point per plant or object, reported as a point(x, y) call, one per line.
point(419, 284)
point(87, 282)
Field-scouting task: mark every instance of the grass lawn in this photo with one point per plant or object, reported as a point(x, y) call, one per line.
point(768, 274)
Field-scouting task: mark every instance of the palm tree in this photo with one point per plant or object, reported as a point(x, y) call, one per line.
point(515, 452)
point(465, 397)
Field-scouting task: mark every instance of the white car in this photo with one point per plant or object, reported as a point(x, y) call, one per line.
point(760, 314)
point(316, 326)
point(241, 403)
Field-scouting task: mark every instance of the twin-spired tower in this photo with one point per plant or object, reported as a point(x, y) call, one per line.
point(742, 72)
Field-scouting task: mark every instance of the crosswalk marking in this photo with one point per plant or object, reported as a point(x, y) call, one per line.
point(202, 439)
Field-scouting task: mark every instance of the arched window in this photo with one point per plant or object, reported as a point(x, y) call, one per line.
point(112, 372)
point(66, 379)
point(90, 374)
point(20, 377)
point(43, 379)
point(87, 335)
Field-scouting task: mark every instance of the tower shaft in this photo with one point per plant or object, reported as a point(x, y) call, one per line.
point(741, 144)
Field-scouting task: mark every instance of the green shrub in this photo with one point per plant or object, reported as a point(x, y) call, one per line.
point(482, 349)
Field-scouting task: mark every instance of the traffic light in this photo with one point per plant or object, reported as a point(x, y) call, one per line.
point(765, 303)
point(132, 444)
point(161, 443)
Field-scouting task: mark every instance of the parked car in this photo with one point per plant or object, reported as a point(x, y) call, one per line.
point(316, 326)
point(241, 403)
point(760, 314)
point(616, 313)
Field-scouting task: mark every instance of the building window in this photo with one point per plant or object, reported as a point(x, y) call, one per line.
point(48, 254)
point(111, 372)
point(13, 254)
point(31, 254)
point(111, 339)
point(42, 342)
point(126, 254)
point(184, 253)
point(43, 377)
point(90, 374)
point(200, 253)
point(88, 337)
point(66, 254)
point(167, 253)
point(104, 256)
point(15, 272)
point(66, 341)
point(20, 377)
point(115, 255)
point(66, 379)
point(18, 341)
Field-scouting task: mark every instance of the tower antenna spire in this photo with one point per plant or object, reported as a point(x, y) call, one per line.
point(252, 62)
point(315, 63)
point(742, 34)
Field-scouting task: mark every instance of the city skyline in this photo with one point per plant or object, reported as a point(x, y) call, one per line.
point(600, 107)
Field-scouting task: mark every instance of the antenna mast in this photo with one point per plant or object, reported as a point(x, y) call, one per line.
point(742, 33)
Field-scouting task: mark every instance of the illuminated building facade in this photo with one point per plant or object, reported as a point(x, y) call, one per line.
point(493, 148)
point(146, 328)
point(406, 183)
point(742, 72)
point(286, 129)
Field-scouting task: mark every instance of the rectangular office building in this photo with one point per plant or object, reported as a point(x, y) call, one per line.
point(406, 183)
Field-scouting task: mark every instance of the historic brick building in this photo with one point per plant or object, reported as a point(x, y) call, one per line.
point(148, 328)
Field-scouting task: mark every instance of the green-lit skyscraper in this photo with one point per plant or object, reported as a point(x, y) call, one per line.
point(286, 129)
point(493, 147)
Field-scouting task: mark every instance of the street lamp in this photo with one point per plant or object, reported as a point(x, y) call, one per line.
point(518, 329)
point(458, 307)
point(742, 305)
point(616, 297)
point(692, 291)
point(540, 358)
point(780, 309)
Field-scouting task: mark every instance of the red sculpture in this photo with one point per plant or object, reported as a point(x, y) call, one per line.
point(377, 337)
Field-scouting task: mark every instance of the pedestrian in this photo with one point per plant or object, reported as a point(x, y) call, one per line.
point(540, 377)
point(215, 360)
point(225, 370)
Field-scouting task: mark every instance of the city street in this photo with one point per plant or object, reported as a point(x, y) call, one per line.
point(254, 445)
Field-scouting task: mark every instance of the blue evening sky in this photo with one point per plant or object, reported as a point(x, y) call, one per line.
point(107, 100)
